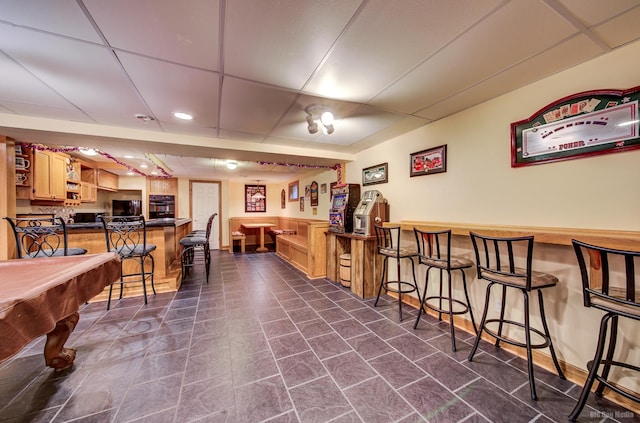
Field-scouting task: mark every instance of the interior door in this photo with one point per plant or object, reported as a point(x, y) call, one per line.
point(205, 200)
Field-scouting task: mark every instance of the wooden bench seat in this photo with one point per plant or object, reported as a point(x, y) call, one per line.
point(238, 236)
point(307, 248)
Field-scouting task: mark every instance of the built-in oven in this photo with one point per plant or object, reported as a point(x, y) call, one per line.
point(162, 206)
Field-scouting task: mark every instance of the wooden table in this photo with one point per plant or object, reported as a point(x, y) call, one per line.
point(261, 248)
point(42, 296)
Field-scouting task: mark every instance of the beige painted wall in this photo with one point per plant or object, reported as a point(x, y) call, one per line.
point(481, 187)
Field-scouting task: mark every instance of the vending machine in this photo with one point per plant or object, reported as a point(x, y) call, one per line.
point(371, 210)
point(344, 199)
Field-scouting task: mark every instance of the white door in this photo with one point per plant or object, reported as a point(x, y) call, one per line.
point(205, 200)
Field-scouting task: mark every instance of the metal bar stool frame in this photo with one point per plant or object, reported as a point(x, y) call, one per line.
point(41, 237)
point(490, 266)
point(197, 240)
point(127, 236)
point(616, 301)
point(434, 251)
point(388, 246)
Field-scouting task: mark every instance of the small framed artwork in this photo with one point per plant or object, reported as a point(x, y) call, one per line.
point(313, 201)
point(429, 161)
point(283, 199)
point(301, 204)
point(375, 174)
point(293, 191)
point(323, 188)
point(255, 198)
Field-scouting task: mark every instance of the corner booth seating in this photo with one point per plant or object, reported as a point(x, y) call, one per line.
point(301, 242)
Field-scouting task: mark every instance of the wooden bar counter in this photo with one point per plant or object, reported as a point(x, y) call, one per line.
point(165, 234)
point(366, 266)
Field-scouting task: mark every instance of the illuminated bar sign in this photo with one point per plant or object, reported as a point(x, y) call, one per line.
point(581, 125)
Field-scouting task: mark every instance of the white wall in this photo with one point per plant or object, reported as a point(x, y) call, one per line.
point(481, 187)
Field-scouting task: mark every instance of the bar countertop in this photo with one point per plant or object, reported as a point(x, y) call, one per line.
point(151, 223)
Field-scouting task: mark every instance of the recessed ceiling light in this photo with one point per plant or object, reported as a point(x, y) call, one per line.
point(154, 172)
point(232, 164)
point(144, 166)
point(130, 173)
point(88, 151)
point(128, 156)
point(183, 116)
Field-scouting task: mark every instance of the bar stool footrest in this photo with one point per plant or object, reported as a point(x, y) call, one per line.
point(512, 341)
point(409, 287)
point(437, 309)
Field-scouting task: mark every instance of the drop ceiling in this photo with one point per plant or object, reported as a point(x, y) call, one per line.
point(76, 73)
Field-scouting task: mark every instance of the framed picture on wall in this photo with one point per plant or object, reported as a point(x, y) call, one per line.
point(429, 161)
point(301, 204)
point(375, 174)
point(255, 198)
point(293, 191)
point(283, 199)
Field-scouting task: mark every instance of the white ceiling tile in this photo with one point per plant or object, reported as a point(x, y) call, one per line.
point(46, 111)
point(504, 39)
point(592, 12)
point(184, 89)
point(19, 85)
point(252, 107)
point(71, 68)
point(386, 40)
point(62, 17)
point(575, 50)
point(282, 42)
point(621, 29)
point(184, 31)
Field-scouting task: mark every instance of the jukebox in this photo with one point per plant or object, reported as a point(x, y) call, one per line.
point(372, 209)
point(344, 199)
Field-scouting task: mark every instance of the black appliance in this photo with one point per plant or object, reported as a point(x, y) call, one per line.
point(86, 217)
point(162, 206)
point(126, 207)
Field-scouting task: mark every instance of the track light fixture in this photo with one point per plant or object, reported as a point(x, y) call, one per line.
point(325, 116)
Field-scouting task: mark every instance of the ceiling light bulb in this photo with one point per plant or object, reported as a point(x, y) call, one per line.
point(326, 118)
point(232, 164)
point(327, 129)
point(183, 116)
point(144, 166)
point(312, 126)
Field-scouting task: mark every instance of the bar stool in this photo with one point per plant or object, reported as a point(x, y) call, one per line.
point(388, 245)
point(434, 251)
point(41, 237)
point(127, 236)
point(608, 284)
point(497, 263)
point(197, 239)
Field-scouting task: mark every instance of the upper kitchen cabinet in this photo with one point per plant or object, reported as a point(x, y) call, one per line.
point(106, 180)
point(49, 176)
point(162, 186)
point(88, 186)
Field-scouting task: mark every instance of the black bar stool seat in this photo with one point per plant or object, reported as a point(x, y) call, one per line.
point(497, 263)
point(609, 283)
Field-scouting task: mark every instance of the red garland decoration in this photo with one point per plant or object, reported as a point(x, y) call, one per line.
point(102, 153)
point(334, 167)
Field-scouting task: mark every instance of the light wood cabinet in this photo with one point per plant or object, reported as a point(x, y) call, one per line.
point(49, 176)
point(106, 180)
point(88, 187)
point(162, 186)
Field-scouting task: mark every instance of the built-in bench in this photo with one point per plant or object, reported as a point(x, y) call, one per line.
point(307, 248)
point(251, 235)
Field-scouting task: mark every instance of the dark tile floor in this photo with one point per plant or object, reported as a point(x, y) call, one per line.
point(261, 342)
